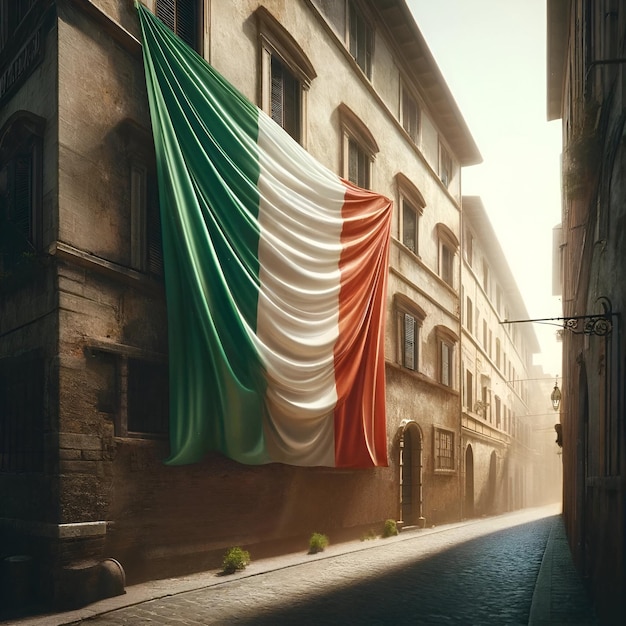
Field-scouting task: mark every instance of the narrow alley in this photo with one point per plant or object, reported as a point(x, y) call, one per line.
point(482, 572)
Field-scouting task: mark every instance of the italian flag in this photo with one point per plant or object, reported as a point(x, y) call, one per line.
point(275, 272)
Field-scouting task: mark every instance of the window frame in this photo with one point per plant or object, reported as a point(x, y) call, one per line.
point(12, 16)
point(448, 249)
point(468, 394)
point(356, 23)
point(447, 341)
point(411, 120)
point(22, 138)
point(444, 451)
point(146, 244)
point(404, 307)
point(275, 43)
point(409, 194)
point(120, 358)
point(468, 247)
point(469, 315)
point(197, 9)
point(446, 166)
point(355, 134)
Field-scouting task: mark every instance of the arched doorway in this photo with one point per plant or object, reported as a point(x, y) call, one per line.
point(469, 481)
point(410, 473)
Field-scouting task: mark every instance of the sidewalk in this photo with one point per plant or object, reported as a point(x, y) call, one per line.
point(558, 598)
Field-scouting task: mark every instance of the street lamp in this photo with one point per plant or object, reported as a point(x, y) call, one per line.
point(555, 397)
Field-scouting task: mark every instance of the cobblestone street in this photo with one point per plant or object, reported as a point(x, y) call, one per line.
point(480, 572)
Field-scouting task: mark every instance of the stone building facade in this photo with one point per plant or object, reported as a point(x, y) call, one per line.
point(83, 331)
point(586, 79)
point(498, 382)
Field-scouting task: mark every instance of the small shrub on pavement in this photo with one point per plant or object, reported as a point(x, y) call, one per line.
point(235, 559)
point(317, 543)
point(390, 529)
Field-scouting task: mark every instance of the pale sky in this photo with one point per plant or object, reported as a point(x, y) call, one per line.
point(492, 54)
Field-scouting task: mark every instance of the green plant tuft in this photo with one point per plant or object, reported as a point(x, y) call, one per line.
point(234, 560)
point(390, 529)
point(317, 543)
point(370, 534)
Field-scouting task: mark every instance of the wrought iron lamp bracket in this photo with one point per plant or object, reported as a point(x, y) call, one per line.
point(600, 324)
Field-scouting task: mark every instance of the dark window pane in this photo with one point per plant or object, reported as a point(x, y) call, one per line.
point(148, 397)
point(409, 226)
point(21, 415)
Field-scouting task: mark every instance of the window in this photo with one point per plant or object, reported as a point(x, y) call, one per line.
point(409, 318)
point(468, 247)
point(285, 98)
point(444, 449)
point(20, 190)
point(498, 353)
point(181, 16)
point(446, 340)
point(359, 148)
point(134, 388)
point(412, 205)
point(469, 390)
point(360, 39)
point(148, 398)
point(486, 277)
point(358, 165)
point(21, 414)
point(286, 75)
point(410, 221)
point(447, 264)
point(485, 335)
point(445, 371)
point(486, 401)
point(146, 248)
point(12, 14)
point(498, 411)
point(448, 246)
point(410, 115)
point(445, 166)
point(146, 241)
point(469, 314)
point(410, 341)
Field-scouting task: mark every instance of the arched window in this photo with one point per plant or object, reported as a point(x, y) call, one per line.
point(446, 344)
point(20, 189)
point(286, 75)
point(412, 204)
point(358, 149)
point(448, 247)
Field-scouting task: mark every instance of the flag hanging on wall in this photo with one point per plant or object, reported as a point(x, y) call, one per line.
point(275, 273)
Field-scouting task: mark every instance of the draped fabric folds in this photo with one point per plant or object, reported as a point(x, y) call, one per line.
point(275, 272)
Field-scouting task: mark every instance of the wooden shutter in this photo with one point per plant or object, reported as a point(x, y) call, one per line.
point(409, 341)
point(445, 364)
point(154, 239)
point(21, 214)
point(166, 12)
point(187, 21)
point(277, 91)
point(181, 16)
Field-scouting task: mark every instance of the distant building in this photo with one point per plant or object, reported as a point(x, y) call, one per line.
point(586, 72)
point(499, 382)
point(83, 327)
